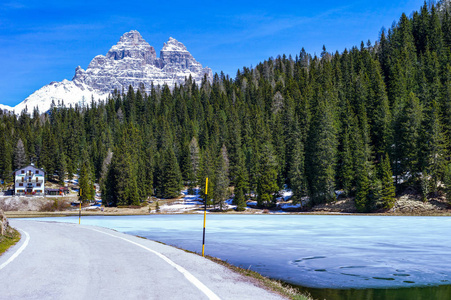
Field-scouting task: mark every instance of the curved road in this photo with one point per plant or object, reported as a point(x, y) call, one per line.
point(71, 261)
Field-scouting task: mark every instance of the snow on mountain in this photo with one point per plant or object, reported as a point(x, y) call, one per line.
point(5, 108)
point(2, 107)
point(132, 61)
point(60, 93)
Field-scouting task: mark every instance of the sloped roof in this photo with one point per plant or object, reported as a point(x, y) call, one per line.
point(30, 165)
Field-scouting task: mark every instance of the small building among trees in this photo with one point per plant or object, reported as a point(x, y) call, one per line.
point(29, 180)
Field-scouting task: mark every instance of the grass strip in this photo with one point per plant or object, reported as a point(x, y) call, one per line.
point(8, 240)
point(265, 282)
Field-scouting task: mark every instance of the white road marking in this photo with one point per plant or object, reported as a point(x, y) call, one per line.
point(196, 282)
point(15, 255)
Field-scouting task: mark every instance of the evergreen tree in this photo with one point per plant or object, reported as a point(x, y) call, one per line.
point(321, 158)
point(48, 155)
point(147, 172)
point(241, 183)
point(447, 181)
point(169, 180)
point(348, 150)
point(61, 167)
point(382, 134)
point(363, 198)
point(103, 177)
point(5, 158)
point(194, 155)
point(424, 185)
point(221, 179)
point(109, 186)
point(346, 166)
point(445, 108)
point(388, 189)
point(206, 171)
point(296, 173)
point(267, 179)
point(434, 147)
point(86, 182)
point(20, 159)
point(126, 181)
point(407, 134)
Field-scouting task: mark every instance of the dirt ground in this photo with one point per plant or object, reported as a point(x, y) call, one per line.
point(412, 205)
point(34, 203)
point(405, 205)
point(24, 207)
point(339, 206)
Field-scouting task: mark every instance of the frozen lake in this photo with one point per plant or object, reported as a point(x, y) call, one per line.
point(338, 252)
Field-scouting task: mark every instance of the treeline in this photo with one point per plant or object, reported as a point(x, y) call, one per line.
point(370, 121)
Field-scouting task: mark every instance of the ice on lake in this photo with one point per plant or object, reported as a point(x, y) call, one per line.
point(314, 251)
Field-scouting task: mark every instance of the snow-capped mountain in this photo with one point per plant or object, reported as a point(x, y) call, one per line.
point(5, 108)
point(132, 61)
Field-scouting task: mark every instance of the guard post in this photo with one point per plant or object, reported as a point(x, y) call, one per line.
point(205, 216)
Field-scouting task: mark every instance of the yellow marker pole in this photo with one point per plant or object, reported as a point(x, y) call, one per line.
point(79, 212)
point(205, 216)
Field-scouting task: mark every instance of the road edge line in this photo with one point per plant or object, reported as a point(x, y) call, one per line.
point(191, 278)
point(17, 253)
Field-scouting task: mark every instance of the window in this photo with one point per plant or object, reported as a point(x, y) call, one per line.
point(37, 172)
point(29, 179)
point(20, 184)
point(38, 191)
point(38, 184)
point(23, 179)
point(22, 172)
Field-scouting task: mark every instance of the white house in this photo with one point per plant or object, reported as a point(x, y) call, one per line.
point(29, 180)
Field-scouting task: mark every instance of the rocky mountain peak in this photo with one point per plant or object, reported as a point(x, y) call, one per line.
point(174, 45)
point(132, 61)
point(132, 37)
point(132, 45)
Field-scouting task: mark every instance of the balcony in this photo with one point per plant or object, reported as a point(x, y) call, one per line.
point(32, 181)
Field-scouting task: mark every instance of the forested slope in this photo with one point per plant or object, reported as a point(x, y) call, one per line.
point(347, 121)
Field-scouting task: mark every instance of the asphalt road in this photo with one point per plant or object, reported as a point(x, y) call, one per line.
point(71, 261)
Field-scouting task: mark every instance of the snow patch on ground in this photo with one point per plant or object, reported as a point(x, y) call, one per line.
point(288, 205)
point(229, 204)
point(191, 203)
point(285, 195)
point(252, 204)
point(187, 203)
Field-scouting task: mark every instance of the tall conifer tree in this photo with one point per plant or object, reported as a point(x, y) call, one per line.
point(221, 179)
point(388, 189)
point(267, 177)
point(20, 158)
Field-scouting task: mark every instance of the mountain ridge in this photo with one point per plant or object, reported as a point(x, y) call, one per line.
point(132, 61)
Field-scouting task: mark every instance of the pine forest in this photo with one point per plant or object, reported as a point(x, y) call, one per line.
point(371, 122)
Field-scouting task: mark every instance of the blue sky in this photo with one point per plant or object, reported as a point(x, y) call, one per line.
point(43, 41)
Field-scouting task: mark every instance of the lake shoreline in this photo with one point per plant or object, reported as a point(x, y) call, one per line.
point(405, 205)
point(133, 212)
